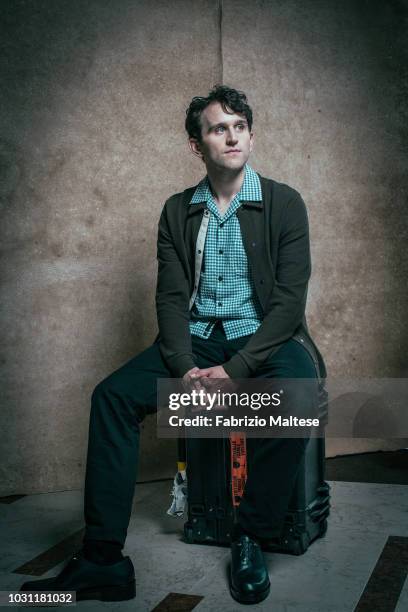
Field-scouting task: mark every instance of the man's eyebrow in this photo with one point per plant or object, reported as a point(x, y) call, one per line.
point(223, 124)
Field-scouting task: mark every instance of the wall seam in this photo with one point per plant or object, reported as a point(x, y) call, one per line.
point(220, 48)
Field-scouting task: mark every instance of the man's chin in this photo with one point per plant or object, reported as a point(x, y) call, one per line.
point(235, 164)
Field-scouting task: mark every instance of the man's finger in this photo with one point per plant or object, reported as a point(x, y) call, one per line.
point(196, 382)
point(207, 382)
point(204, 372)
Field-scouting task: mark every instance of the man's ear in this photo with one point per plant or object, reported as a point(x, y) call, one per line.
point(195, 147)
point(251, 142)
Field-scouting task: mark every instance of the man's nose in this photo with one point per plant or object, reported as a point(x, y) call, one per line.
point(231, 136)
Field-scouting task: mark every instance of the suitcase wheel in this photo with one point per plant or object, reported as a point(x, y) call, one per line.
point(323, 528)
point(188, 534)
point(301, 544)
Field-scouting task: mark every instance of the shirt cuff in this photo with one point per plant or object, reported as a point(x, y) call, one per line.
point(181, 364)
point(236, 367)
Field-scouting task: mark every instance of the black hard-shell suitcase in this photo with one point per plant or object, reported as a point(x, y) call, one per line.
point(210, 507)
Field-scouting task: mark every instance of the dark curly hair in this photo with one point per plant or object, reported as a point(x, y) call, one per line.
point(231, 100)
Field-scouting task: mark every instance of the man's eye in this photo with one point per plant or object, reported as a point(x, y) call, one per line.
point(219, 129)
point(241, 126)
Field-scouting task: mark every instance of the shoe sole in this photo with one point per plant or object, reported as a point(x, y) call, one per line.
point(250, 598)
point(120, 592)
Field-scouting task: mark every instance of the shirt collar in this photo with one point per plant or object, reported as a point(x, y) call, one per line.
point(250, 190)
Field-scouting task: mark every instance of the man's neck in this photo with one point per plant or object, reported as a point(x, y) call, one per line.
point(225, 185)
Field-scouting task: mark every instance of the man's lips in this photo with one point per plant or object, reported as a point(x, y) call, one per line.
point(233, 151)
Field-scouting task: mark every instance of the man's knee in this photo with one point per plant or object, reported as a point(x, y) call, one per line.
point(110, 396)
point(107, 386)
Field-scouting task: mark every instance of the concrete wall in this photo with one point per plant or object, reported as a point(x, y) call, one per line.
point(92, 98)
point(329, 85)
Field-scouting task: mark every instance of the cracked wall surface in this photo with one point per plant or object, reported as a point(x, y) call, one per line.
point(93, 97)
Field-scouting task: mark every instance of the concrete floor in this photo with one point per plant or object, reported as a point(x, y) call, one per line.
point(330, 577)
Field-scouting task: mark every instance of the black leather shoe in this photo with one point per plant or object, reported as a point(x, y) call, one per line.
point(249, 575)
point(114, 582)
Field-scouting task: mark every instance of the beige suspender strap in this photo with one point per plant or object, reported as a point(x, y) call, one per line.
point(199, 252)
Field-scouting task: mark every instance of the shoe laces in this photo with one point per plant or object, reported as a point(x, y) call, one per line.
point(78, 554)
point(247, 551)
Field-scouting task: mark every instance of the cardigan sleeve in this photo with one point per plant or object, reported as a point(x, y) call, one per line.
point(172, 303)
point(287, 302)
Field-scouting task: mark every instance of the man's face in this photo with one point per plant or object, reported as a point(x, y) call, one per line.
point(226, 141)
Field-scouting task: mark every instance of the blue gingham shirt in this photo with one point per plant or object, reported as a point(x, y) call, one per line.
point(226, 289)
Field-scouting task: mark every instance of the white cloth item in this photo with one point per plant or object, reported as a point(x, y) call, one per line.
point(179, 493)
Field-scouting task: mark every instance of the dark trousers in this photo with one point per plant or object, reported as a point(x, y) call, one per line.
point(120, 403)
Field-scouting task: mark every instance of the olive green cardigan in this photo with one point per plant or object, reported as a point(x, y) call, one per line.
point(275, 235)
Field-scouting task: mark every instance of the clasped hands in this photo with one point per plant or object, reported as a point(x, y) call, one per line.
point(204, 379)
point(197, 378)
